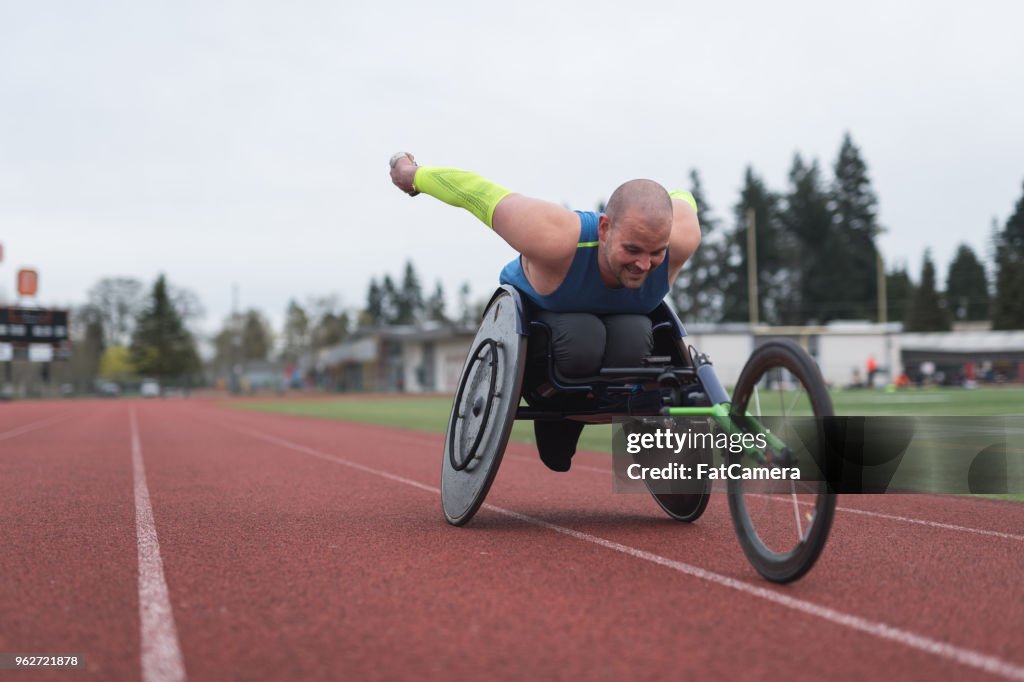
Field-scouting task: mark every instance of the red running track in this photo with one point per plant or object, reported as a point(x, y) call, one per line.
point(288, 548)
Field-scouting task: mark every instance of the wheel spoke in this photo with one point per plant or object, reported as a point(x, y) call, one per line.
point(796, 512)
point(796, 398)
point(782, 398)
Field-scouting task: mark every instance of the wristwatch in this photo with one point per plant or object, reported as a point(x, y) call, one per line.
point(394, 160)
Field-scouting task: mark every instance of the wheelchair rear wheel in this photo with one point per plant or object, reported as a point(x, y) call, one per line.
point(483, 411)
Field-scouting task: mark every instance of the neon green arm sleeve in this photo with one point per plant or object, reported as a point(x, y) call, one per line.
point(464, 189)
point(684, 196)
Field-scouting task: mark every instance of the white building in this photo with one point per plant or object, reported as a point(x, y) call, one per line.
point(429, 358)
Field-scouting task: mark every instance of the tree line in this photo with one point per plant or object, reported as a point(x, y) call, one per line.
point(816, 256)
point(817, 259)
point(126, 331)
point(389, 304)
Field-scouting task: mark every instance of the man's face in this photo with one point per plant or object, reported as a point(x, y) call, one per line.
point(630, 249)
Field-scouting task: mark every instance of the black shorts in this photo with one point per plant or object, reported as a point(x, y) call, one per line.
point(583, 343)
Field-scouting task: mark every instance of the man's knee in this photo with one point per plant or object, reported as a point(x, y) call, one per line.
point(629, 339)
point(577, 341)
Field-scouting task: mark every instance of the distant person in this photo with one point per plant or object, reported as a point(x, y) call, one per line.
point(927, 371)
point(872, 367)
point(593, 276)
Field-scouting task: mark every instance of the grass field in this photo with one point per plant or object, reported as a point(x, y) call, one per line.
point(431, 413)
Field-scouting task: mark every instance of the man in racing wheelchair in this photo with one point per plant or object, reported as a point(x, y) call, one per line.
point(591, 278)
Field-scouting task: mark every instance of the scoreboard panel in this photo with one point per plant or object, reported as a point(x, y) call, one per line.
point(24, 326)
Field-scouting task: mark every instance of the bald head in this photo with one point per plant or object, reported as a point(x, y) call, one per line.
point(633, 233)
point(645, 200)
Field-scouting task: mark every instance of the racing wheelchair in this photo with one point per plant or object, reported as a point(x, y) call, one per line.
point(782, 535)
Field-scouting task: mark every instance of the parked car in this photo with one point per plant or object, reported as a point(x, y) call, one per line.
point(108, 389)
point(150, 388)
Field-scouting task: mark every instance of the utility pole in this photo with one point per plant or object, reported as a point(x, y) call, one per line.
point(8, 349)
point(752, 266)
point(883, 300)
point(236, 344)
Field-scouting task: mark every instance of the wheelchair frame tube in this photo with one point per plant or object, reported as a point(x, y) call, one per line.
point(720, 412)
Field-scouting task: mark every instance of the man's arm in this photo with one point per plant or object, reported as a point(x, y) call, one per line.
point(685, 236)
point(543, 232)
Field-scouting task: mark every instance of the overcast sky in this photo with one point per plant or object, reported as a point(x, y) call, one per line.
point(247, 143)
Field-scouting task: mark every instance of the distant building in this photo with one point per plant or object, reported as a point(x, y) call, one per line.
point(251, 376)
point(424, 358)
point(428, 358)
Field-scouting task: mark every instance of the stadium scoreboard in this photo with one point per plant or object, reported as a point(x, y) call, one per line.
point(27, 326)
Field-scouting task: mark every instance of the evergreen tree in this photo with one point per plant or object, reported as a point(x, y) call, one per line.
point(853, 256)
point(926, 313)
point(967, 287)
point(296, 332)
point(899, 293)
point(161, 345)
point(697, 292)
point(807, 222)
point(257, 337)
point(389, 301)
point(373, 314)
point(434, 306)
point(775, 256)
point(409, 300)
point(1008, 309)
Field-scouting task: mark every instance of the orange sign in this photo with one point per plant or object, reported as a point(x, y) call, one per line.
point(28, 282)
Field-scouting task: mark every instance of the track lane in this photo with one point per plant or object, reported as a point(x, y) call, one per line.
point(561, 505)
point(67, 546)
point(285, 564)
point(387, 591)
point(954, 586)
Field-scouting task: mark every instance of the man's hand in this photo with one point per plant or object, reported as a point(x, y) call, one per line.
point(403, 171)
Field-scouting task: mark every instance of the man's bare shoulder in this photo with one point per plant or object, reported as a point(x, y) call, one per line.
point(543, 232)
point(685, 236)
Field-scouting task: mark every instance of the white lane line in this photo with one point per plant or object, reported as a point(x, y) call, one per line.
point(933, 524)
point(964, 656)
point(850, 510)
point(577, 466)
point(32, 426)
point(967, 657)
point(161, 654)
point(905, 519)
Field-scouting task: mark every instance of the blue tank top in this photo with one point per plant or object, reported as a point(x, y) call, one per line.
point(583, 290)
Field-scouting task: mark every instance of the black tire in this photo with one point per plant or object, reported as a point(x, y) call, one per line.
point(687, 507)
point(770, 526)
point(483, 410)
point(682, 506)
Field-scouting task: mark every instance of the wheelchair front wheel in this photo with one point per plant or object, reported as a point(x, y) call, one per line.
point(679, 499)
point(782, 526)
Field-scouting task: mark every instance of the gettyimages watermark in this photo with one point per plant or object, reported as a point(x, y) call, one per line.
point(957, 455)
